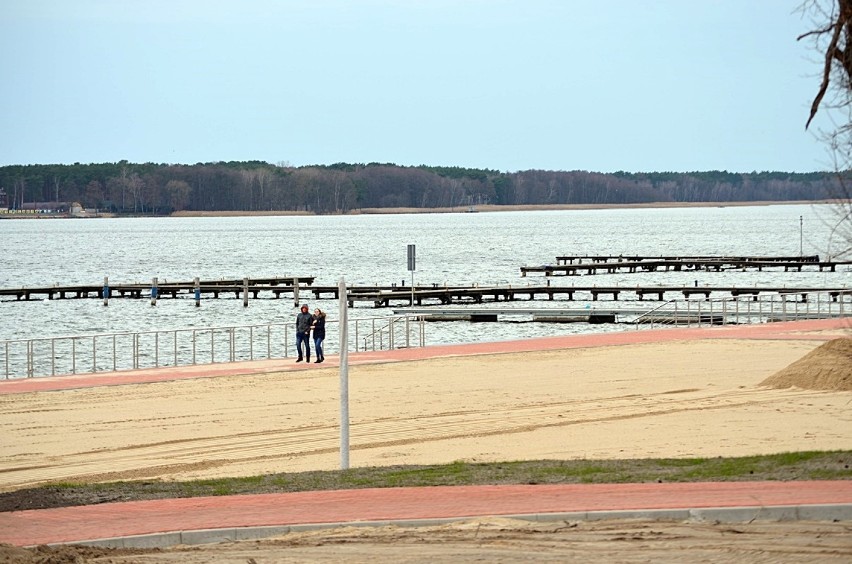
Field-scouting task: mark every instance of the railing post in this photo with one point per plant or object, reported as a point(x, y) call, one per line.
point(53, 357)
point(94, 353)
point(286, 341)
point(156, 349)
point(73, 355)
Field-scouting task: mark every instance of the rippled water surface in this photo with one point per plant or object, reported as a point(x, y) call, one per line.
point(460, 248)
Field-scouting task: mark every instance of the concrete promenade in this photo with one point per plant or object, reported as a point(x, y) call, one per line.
point(213, 519)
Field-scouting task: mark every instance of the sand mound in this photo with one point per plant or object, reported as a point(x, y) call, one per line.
point(828, 367)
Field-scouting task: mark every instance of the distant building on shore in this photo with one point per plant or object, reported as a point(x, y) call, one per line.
point(45, 207)
point(58, 209)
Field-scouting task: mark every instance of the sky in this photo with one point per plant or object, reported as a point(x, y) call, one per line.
point(508, 85)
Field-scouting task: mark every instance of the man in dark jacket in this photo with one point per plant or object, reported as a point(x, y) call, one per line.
point(303, 332)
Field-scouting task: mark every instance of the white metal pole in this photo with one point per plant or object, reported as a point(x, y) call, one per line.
point(344, 375)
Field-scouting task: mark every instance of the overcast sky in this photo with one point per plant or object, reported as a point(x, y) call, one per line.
point(652, 85)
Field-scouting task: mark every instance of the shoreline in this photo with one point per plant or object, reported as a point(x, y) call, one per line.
point(486, 208)
point(493, 208)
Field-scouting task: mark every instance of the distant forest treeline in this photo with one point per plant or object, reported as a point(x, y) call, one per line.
point(149, 188)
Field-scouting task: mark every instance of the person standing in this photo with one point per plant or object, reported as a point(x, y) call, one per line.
point(319, 333)
point(303, 333)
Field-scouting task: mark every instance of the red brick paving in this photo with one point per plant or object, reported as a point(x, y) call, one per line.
point(112, 520)
point(142, 517)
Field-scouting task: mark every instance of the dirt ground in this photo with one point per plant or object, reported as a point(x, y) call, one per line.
point(501, 540)
point(701, 398)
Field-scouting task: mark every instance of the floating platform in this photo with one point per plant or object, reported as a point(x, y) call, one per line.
point(564, 315)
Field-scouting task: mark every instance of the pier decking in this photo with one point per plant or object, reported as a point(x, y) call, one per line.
point(386, 296)
point(478, 295)
point(566, 267)
point(276, 285)
point(569, 259)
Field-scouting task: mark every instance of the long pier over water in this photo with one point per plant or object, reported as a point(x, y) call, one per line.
point(209, 288)
point(566, 265)
point(387, 296)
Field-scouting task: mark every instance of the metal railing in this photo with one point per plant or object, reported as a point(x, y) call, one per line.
point(113, 352)
point(761, 308)
point(395, 332)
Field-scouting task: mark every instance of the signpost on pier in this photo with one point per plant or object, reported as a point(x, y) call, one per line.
point(411, 268)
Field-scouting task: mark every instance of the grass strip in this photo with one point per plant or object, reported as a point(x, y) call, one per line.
point(812, 465)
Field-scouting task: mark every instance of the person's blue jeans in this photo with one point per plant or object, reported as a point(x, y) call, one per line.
point(306, 339)
point(318, 347)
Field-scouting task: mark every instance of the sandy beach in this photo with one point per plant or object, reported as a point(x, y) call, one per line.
point(664, 395)
point(678, 398)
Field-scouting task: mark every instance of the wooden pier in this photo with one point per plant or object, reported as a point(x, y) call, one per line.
point(478, 295)
point(568, 268)
point(569, 259)
point(276, 285)
point(387, 296)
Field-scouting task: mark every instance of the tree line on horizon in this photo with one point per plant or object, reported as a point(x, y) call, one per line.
point(246, 186)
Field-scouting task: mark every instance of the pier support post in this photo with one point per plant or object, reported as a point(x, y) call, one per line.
point(296, 292)
point(105, 293)
point(197, 285)
point(245, 292)
point(154, 291)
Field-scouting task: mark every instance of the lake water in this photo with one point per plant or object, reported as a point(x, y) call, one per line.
point(456, 249)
